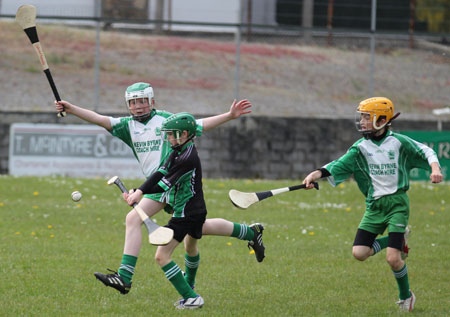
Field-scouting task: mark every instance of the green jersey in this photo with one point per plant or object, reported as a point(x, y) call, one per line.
point(182, 182)
point(381, 167)
point(146, 139)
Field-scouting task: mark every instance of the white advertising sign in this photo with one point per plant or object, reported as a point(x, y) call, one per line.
point(69, 150)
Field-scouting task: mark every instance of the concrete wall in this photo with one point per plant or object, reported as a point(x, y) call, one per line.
point(250, 147)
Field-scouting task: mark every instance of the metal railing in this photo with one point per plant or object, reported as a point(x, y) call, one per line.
point(239, 33)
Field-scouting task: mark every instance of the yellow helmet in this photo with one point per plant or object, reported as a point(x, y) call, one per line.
point(377, 108)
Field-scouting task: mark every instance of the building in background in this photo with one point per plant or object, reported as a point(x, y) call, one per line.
point(192, 11)
point(396, 16)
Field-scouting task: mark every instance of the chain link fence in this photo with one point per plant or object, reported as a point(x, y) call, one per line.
point(290, 58)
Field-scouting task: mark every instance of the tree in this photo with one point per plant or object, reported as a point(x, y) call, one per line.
point(436, 13)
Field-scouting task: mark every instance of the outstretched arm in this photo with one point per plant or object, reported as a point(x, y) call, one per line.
point(236, 110)
point(84, 114)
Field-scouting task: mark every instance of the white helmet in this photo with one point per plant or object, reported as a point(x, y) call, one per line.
point(137, 91)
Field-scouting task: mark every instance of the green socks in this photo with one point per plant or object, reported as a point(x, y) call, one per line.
point(401, 276)
point(191, 263)
point(402, 281)
point(380, 244)
point(126, 270)
point(174, 275)
point(242, 232)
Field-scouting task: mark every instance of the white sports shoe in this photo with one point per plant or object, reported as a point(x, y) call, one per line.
point(405, 248)
point(407, 304)
point(191, 303)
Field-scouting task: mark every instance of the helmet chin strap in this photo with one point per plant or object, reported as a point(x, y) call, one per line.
point(368, 134)
point(143, 117)
point(179, 146)
point(371, 134)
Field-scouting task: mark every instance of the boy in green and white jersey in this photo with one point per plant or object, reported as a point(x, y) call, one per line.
point(144, 139)
point(141, 131)
point(380, 163)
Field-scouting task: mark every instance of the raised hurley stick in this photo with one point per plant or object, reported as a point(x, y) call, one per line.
point(157, 235)
point(244, 200)
point(26, 18)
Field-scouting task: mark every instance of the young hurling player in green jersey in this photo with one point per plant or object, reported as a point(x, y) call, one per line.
point(179, 179)
point(141, 131)
point(380, 163)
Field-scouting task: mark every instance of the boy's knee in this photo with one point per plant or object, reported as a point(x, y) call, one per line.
point(133, 218)
point(157, 258)
point(360, 253)
point(394, 261)
point(160, 259)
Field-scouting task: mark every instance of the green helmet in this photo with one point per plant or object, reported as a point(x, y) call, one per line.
point(139, 90)
point(179, 122)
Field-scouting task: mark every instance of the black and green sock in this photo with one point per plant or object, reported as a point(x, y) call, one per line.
point(242, 232)
point(191, 263)
point(174, 275)
point(402, 281)
point(126, 269)
point(380, 244)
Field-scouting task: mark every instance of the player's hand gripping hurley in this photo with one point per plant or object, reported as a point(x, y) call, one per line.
point(157, 235)
point(244, 200)
point(26, 18)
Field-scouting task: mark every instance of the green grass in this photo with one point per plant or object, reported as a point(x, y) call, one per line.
point(50, 247)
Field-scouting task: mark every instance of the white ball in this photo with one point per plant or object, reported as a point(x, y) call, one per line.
point(76, 196)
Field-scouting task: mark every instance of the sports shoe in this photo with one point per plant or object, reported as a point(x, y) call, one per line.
point(407, 304)
point(257, 243)
point(405, 248)
point(191, 303)
point(114, 281)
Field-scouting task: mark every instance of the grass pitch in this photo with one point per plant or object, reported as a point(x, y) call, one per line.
point(50, 247)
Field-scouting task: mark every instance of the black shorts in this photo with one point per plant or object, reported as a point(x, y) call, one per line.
point(191, 225)
point(367, 238)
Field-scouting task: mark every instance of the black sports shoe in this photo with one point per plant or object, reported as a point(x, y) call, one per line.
point(114, 281)
point(257, 243)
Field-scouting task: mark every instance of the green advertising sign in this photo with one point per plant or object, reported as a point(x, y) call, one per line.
point(439, 141)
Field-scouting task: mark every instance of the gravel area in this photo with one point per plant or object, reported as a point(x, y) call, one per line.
point(197, 74)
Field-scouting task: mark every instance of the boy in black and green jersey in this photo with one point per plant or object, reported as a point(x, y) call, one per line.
point(179, 180)
point(380, 163)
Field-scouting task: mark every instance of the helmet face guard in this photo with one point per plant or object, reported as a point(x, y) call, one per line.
point(176, 124)
point(139, 91)
point(373, 110)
